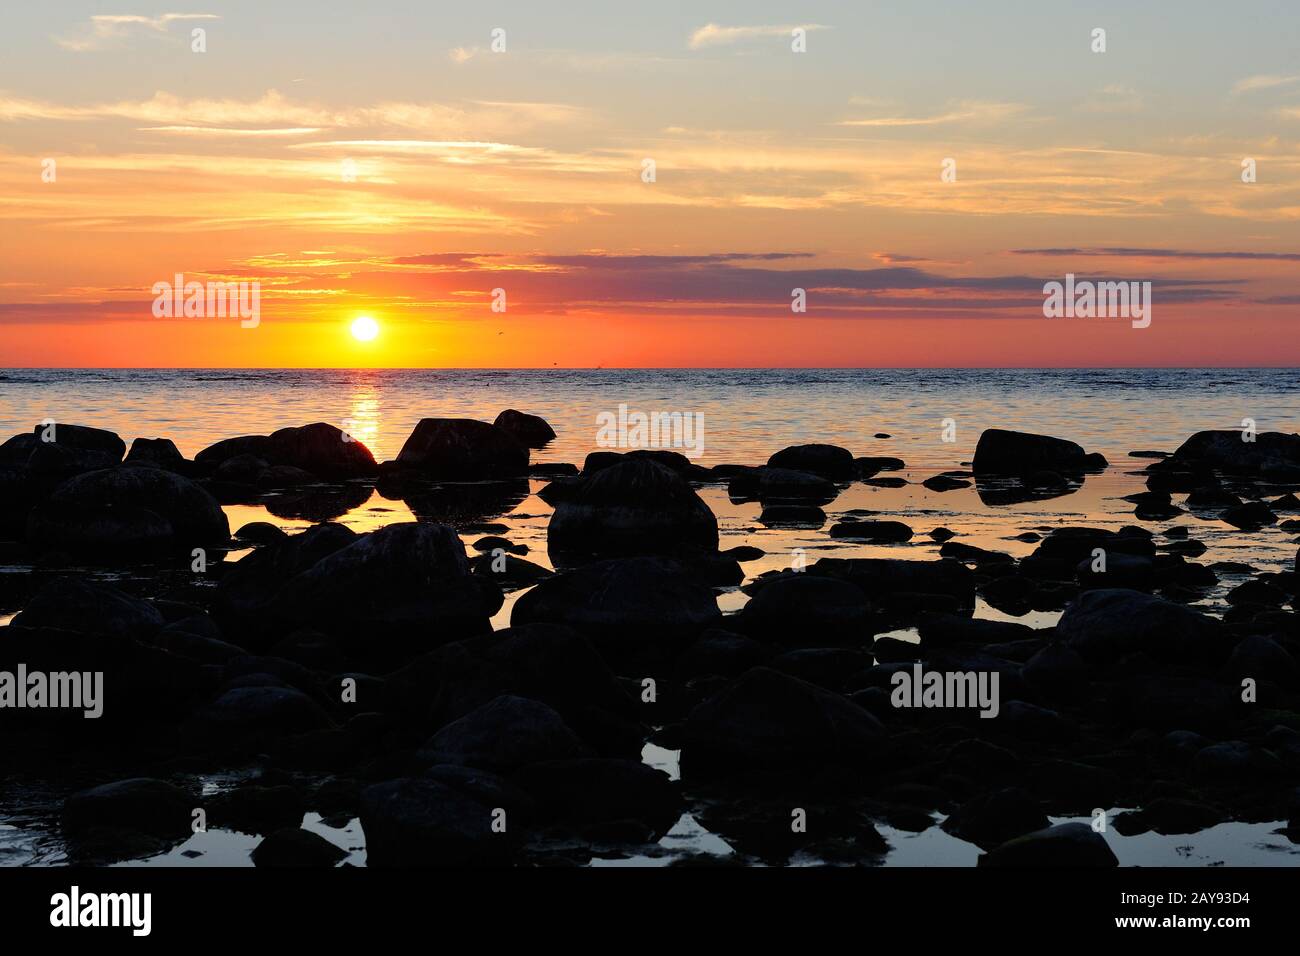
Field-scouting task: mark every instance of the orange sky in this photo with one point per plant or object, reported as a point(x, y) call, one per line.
point(431, 171)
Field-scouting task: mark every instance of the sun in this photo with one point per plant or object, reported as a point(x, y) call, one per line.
point(364, 328)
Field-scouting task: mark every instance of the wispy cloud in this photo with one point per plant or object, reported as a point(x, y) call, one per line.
point(711, 34)
point(965, 112)
point(1263, 81)
point(1138, 253)
point(104, 30)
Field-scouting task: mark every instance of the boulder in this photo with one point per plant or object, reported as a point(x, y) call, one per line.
point(462, 449)
point(826, 461)
point(633, 507)
point(1064, 845)
point(624, 606)
point(1269, 454)
point(806, 610)
point(998, 816)
point(594, 791)
point(421, 822)
point(88, 607)
point(769, 720)
point(141, 804)
point(1106, 624)
point(1022, 453)
point(158, 452)
point(504, 735)
point(531, 431)
point(294, 847)
point(878, 532)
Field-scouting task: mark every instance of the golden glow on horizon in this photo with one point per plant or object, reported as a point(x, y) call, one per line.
point(365, 329)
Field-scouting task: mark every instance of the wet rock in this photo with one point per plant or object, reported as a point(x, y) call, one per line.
point(864, 468)
point(589, 791)
point(547, 663)
point(785, 486)
point(285, 476)
point(891, 650)
point(971, 554)
point(803, 609)
point(158, 452)
point(250, 584)
point(629, 606)
point(494, 542)
point(943, 534)
point(1103, 625)
point(427, 822)
point(295, 847)
point(766, 719)
point(806, 516)
point(562, 469)
point(826, 461)
point(461, 449)
point(996, 817)
point(87, 607)
point(255, 809)
point(260, 532)
point(1237, 760)
point(722, 653)
point(942, 483)
point(1029, 722)
point(261, 710)
point(509, 573)
point(1169, 815)
point(879, 532)
point(1022, 453)
point(241, 469)
point(503, 735)
point(410, 581)
point(1063, 845)
point(139, 805)
point(831, 667)
point(744, 553)
point(1212, 497)
point(634, 507)
point(1263, 660)
point(532, 431)
point(945, 630)
point(888, 580)
point(1249, 516)
point(1269, 454)
point(1132, 571)
point(1056, 673)
point(194, 516)
point(321, 449)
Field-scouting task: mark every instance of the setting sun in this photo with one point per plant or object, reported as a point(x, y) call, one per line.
point(365, 329)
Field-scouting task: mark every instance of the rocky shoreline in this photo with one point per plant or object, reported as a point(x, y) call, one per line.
point(359, 675)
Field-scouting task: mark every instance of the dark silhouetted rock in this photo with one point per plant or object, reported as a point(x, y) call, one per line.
point(462, 449)
point(504, 735)
point(1022, 453)
point(826, 461)
point(805, 609)
point(294, 847)
point(880, 532)
point(994, 818)
point(1064, 845)
point(421, 822)
point(529, 430)
point(88, 607)
point(1106, 624)
point(633, 507)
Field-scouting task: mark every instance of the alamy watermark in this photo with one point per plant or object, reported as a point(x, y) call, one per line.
point(71, 690)
point(197, 300)
point(624, 429)
point(1086, 299)
point(946, 689)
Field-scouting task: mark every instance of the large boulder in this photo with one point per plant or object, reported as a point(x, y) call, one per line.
point(321, 449)
point(625, 607)
point(806, 610)
point(827, 461)
point(1064, 845)
point(1270, 453)
point(504, 735)
point(158, 452)
point(88, 607)
point(633, 507)
point(141, 804)
point(427, 821)
point(1001, 452)
point(769, 720)
point(1106, 624)
point(404, 580)
point(462, 449)
point(135, 498)
point(251, 584)
point(888, 581)
point(55, 450)
point(532, 431)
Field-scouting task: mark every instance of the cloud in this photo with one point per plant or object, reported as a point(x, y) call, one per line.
point(1136, 253)
point(711, 34)
point(1263, 82)
point(462, 54)
point(965, 112)
point(104, 30)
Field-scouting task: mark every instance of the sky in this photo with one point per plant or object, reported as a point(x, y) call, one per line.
point(920, 170)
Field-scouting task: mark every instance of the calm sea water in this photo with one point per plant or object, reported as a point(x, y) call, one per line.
point(747, 414)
